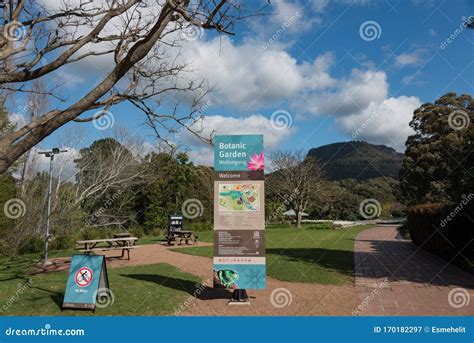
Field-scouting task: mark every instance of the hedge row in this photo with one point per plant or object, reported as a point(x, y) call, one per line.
point(445, 230)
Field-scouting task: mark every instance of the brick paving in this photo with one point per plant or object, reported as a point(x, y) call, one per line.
point(395, 277)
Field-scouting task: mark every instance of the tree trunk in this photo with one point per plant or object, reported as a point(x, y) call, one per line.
point(298, 219)
point(15, 144)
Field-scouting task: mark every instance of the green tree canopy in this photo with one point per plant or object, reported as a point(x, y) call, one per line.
point(439, 164)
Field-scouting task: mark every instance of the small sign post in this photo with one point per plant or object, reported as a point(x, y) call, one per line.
point(86, 281)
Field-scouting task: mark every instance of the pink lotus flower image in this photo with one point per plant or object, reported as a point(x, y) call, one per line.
point(256, 162)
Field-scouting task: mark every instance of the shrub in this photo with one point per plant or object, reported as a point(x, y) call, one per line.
point(31, 245)
point(63, 242)
point(444, 229)
point(397, 210)
point(404, 231)
point(320, 226)
point(199, 227)
point(156, 232)
point(5, 249)
point(95, 233)
point(136, 231)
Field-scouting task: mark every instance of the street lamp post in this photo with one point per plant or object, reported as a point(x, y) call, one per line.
point(50, 154)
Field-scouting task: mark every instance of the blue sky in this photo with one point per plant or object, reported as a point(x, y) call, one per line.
point(312, 65)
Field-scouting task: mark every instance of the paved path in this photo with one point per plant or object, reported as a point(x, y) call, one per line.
point(395, 277)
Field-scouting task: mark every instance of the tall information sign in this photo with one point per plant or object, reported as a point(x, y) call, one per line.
point(239, 212)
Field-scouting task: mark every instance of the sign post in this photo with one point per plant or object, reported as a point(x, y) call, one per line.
point(239, 214)
point(87, 280)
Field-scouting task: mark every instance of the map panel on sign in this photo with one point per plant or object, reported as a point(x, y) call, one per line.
point(240, 197)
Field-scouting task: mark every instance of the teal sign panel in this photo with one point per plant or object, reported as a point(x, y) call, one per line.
point(86, 280)
point(240, 276)
point(238, 153)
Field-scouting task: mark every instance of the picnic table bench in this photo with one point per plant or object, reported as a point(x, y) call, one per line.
point(179, 236)
point(106, 244)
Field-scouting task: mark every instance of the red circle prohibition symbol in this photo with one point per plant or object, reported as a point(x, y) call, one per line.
point(83, 277)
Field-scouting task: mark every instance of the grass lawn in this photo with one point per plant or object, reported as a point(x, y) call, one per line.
point(156, 289)
point(305, 255)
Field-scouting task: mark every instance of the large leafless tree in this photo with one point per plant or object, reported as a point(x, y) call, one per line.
point(295, 180)
point(38, 40)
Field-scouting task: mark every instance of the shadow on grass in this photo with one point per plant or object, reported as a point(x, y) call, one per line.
point(15, 267)
point(341, 261)
point(196, 289)
point(57, 299)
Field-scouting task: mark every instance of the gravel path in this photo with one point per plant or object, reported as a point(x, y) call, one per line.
point(289, 298)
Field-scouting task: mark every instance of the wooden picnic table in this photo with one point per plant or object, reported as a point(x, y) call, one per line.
point(123, 244)
point(179, 235)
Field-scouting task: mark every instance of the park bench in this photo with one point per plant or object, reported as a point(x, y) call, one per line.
point(107, 244)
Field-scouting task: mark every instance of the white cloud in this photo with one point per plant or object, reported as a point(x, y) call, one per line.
point(407, 59)
point(17, 120)
point(285, 17)
point(245, 75)
point(432, 32)
point(317, 74)
point(63, 165)
point(413, 79)
point(284, 10)
point(350, 95)
point(320, 5)
point(385, 122)
point(414, 58)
